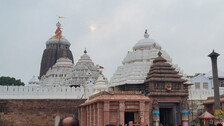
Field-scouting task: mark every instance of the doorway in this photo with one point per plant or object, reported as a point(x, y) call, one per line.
point(167, 116)
point(129, 116)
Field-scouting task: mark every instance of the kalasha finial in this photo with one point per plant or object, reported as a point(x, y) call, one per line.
point(58, 31)
point(159, 53)
point(146, 34)
point(85, 51)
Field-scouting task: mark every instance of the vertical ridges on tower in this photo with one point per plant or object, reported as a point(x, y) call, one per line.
point(56, 46)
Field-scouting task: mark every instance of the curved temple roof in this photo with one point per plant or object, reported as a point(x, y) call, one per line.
point(137, 63)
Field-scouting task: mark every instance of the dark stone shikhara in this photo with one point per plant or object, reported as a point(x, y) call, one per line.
point(50, 56)
point(54, 51)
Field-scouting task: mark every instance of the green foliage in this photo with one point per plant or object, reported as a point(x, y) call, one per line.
point(9, 81)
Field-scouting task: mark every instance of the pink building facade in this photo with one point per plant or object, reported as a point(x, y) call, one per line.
point(117, 108)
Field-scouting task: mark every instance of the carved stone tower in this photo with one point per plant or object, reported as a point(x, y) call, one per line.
point(55, 47)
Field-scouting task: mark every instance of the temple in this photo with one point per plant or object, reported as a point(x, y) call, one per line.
point(146, 90)
point(136, 65)
point(55, 48)
point(84, 72)
point(168, 92)
point(117, 108)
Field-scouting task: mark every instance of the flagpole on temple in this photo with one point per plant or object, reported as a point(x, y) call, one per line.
point(218, 111)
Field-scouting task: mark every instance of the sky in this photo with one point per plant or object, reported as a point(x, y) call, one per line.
point(188, 30)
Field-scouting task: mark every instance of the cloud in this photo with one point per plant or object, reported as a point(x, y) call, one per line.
point(187, 30)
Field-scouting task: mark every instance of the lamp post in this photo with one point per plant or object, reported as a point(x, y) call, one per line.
point(218, 111)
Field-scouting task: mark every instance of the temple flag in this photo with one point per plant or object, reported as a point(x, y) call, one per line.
point(60, 17)
point(101, 67)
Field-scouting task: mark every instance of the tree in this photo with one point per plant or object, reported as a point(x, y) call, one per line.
point(10, 81)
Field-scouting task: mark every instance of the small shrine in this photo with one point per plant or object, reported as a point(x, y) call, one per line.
point(168, 92)
point(119, 108)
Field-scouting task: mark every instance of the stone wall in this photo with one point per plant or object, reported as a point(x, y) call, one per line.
point(39, 92)
point(36, 112)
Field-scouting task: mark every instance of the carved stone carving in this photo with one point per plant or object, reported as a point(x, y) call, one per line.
point(155, 104)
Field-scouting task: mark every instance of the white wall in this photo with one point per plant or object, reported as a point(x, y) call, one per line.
point(38, 92)
point(203, 94)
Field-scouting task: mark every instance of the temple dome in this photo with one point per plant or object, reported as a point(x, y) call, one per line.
point(63, 61)
point(33, 81)
point(82, 72)
point(58, 38)
point(85, 58)
point(101, 84)
point(62, 40)
point(136, 64)
point(146, 43)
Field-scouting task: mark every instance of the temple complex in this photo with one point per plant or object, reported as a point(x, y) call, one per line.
point(161, 98)
point(55, 48)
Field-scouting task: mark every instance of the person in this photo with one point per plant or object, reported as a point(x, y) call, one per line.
point(69, 121)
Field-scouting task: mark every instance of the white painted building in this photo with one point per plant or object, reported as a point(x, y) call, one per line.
point(137, 63)
point(202, 86)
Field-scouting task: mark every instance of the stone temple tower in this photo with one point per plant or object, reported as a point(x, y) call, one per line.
point(55, 47)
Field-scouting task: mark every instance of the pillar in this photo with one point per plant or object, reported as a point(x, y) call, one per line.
point(155, 117)
point(184, 114)
point(142, 112)
point(106, 110)
point(90, 114)
point(121, 112)
point(87, 115)
point(99, 114)
point(83, 116)
point(218, 111)
point(147, 115)
point(94, 115)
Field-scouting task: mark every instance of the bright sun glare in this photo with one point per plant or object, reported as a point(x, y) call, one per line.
point(92, 27)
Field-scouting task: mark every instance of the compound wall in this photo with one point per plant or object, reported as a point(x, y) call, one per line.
point(36, 112)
